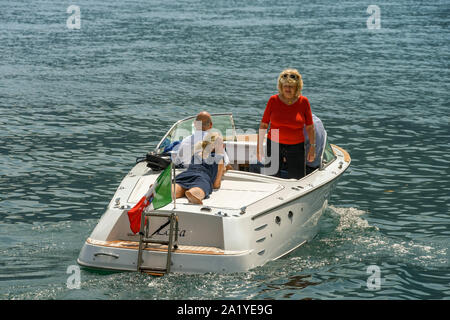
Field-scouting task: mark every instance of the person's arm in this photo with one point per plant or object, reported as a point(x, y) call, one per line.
point(263, 129)
point(312, 141)
point(220, 172)
point(259, 144)
point(309, 122)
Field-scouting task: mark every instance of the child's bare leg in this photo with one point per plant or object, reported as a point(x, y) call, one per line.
point(179, 191)
point(195, 195)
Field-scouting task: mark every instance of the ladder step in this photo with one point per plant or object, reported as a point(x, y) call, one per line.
point(154, 271)
point(155, 241)
point(153, 214)
point(157, 274)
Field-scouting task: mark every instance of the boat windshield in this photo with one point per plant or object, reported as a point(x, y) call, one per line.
point(222, 123)
point(328, 154)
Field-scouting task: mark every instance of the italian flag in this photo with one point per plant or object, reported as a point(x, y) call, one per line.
point(158, 195)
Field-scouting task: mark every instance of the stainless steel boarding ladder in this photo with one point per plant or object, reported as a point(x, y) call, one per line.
point(145, 239)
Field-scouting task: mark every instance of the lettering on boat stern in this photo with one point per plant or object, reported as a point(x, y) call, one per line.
point(165, 231)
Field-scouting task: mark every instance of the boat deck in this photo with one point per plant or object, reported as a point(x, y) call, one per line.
point(134, 245)
point(233, 194)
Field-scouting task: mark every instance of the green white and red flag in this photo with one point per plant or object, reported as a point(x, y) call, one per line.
point(158, 195)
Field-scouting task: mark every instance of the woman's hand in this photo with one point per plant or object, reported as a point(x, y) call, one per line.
point(311, 154)
point(312, 140)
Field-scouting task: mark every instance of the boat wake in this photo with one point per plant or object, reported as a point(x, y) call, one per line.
point(360, 239)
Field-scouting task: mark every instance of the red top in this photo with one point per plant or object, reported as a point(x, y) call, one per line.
point(289, 119)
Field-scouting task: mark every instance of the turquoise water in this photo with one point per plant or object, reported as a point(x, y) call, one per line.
point(78, 106)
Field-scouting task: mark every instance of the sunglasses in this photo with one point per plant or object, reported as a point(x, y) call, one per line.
point(292, 76)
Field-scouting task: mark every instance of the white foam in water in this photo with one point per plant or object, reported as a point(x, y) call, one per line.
point(350, 218)
point(359, 239)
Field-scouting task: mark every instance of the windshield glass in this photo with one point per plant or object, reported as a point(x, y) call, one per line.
point(222, 123)
point(328, 154)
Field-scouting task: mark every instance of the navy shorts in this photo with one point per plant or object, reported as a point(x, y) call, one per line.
point(189, 179)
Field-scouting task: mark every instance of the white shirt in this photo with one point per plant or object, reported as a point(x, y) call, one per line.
point(184, 153)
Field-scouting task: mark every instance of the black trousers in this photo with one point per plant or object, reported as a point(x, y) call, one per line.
point(291, 159)
point(310, 169)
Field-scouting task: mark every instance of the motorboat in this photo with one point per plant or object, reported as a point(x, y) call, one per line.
point(250, 220)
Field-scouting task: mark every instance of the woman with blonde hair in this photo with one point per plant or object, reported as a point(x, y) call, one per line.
point(288, 112)
point(204, 172)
